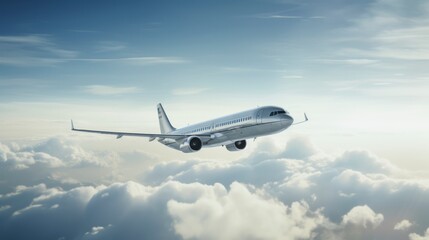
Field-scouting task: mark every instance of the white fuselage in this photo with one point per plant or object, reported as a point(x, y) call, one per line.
point(230, 131)
point(240, 126)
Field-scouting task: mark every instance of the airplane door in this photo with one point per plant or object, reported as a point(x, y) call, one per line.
point(259, 116)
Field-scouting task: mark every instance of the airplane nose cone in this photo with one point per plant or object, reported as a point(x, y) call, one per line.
point(291, 119)
point(288, 120)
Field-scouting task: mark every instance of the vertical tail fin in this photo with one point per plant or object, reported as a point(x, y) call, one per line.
point(164, 123)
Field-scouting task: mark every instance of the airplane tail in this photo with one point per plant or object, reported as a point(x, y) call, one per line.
point(164, 123)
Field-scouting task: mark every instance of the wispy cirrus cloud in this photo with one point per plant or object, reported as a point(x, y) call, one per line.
point(281, 17)
point(388, 30)
point(109, 90)
point(351, 61)
point(28, 39)
point(285, 17)
point(29, 61)
point(42, 61)
point(41, 50)
point(292, 77)
point(110, 46)
point(384, 87)
point(136, 60)
point(33, 44)
point(32, 50)
point(188, 91)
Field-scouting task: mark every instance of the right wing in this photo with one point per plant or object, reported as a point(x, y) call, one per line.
point(305, 120)
point(149, 135)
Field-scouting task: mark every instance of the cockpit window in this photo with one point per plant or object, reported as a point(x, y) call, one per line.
point(277, 112)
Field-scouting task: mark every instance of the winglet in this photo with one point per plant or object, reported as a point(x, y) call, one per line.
point(305, 120)
point(72, 126)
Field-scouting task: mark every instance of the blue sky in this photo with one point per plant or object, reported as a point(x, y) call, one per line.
point(359, 69)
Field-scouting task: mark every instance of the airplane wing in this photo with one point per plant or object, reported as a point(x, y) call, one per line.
point(152, 136)
point(305, 120)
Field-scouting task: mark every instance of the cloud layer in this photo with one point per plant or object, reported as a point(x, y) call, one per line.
point(297, 192)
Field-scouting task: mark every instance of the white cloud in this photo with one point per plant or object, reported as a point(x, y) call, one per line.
point(415, 236)
point(364, 161)
point(403, 225)
point(311, 195)
point(242, 215)
point(95, 230)
point(57, 162)
point(109, 90)
point(134, 210)
point(363, 216)
point(299, 148)
point(352, 177)
point(70, 153)
point(23, 159)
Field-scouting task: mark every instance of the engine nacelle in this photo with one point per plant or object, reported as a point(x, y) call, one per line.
point(192, 144)
point(237, 146)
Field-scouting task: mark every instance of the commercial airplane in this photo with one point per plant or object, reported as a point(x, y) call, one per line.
point(230, 131)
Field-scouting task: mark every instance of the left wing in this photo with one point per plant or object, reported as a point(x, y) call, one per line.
point(149, 135)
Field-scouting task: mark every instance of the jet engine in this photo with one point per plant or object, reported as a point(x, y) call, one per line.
point(237, 146)
point(192, 144)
